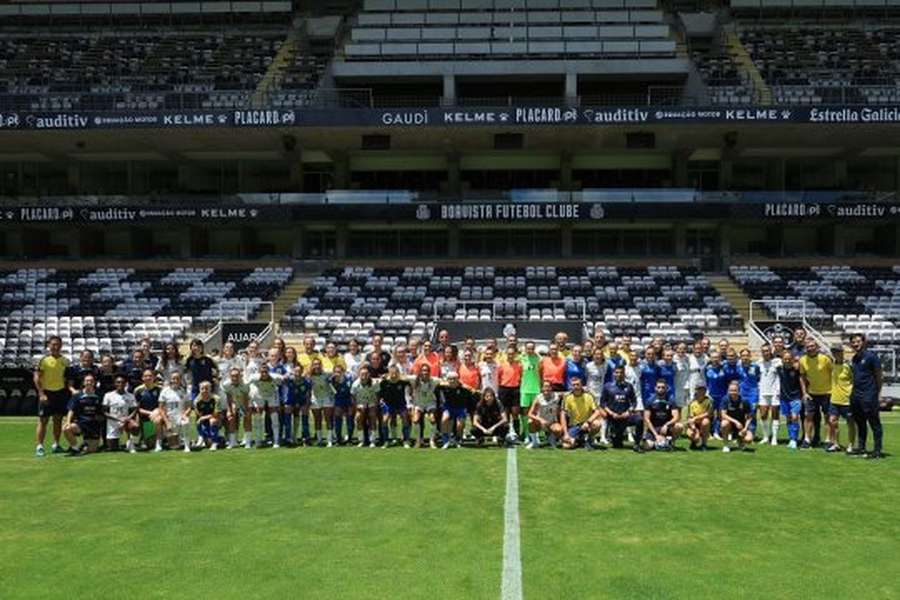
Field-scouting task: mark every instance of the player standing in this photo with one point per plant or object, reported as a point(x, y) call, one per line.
point(53, 395)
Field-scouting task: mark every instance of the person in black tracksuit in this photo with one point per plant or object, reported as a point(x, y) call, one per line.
point(864, 399)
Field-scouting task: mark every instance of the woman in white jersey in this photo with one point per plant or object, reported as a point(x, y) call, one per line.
point(769, 395)
point(543, 416)
point(321, 401)
point(353, 358)
point(177, 404)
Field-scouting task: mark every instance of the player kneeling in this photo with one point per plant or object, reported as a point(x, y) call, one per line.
point(736, 416)
point(699, 418)
point(543, 417)
point(580, 418)
point(206, 406)
point(120, 409)
point(662, 419)
point(490, 419)
point(83, 418)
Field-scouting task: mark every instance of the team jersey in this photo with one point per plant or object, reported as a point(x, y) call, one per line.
point(613, 362)
point(167, 369)
point(620, 397)
point(353, 362)
point(470, 376)
point(206, 407)
point(667, 370)
point(252, 365)
point(77, 373)
point(147, 398)
point(595, 374)
point(133, 372)
point(455, 397)
point(660, 409)
point(393, 393)
point(700, 407)
point(301, 388)
point(531, 379)
point(579, 408)
point(554, 370)
point(432, 359)
point(106, 380)
point(789, 381)
point(200, 370)
point(697, 368)
point(330, 362)
point(548, 408)
point(235, 394)
point(264, 392)
point(342, 385)
point(423, 393)
point(749, 386)
point(225, 365)
point(52, 371)
point(488, 414)
point(175, 401)
point(732, 372)
point(716, 384)
point(769, 384)
point(649, 373)
point(574, 370)
point(306, 358)
point(279, 375)
point(449, 368)
point(510, 374)
point(818, 373)
point(385, 357)
point(322, 391)
point(865, 364)
point(119, 405)
point(365, 394)
point(489, 372)
point(737, 408)
point(841, 384)
point(86, 407)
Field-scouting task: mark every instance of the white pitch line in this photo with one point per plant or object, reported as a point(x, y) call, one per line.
point(511, 586)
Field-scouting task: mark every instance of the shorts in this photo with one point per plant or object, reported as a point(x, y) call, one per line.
point(429, 408)
point(500, 432)
point(509, 397)
point(717, 404)
point(575, 431)
point(456, 412)
point(148, 429)
point(840, 411)
point(790, 407)
point(343, 404)
point(393, 409)
point(527, 398)
point(57, 404)
point(316, 403)
point(648, 435)
point(90, 430)
point(472, 402)
point(767, 400)
point(817, 403)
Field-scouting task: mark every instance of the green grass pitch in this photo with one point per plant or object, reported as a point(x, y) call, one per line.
point(349, 523)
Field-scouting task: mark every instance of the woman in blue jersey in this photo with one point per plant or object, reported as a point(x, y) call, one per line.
point(343, 403)
point(278, 373)
point(716, 387)
point(290, 405)
point(575, 365)
point(648, 373)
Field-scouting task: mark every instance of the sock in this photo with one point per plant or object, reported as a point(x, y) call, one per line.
point(383, 434)
point(214, 434)
point(351, 426)
point(304, 419)
point(287, 420)
point(445, 437)
point(232, 439)
point(421, 429)
point(405, 433)
point(775, 425)
point(247, 437)
point(604, 429)
point(339, 428)
point(295, 425)
point(534, 439)
point(523, 425)
point(793, 430)
point(328, 435)
point(276, 430)
point(258, 427)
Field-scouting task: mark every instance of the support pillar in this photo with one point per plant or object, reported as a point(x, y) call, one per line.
point(449, 96)
point(680, 240)
point(571, 89)
point(341, 239)
point(453, 241)
point(297, 173)
point(454, 180)
point(73, 177)
point(566, 249)
point(776, 174)
point(726, 174)
point(680, 168)
point(565, 172)
point(341, 170)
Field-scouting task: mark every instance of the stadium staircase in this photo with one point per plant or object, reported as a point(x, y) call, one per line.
point(292, 291)
point(282, 60)
point(762, 92)
point(735, 296)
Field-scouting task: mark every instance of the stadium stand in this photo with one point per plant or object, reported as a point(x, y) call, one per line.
point(109, 309)
point(439, 29)
point(354, 302)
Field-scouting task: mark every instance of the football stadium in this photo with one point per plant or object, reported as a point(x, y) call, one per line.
point(403, 299)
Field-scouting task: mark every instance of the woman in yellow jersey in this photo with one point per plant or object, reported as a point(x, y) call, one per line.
point(699, 418)
point(841, 388)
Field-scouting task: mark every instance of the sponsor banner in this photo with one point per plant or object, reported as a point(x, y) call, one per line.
point(448, 117)
point(487, 212)
point(241, 334)
point(783, 328)
point(139, 214)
